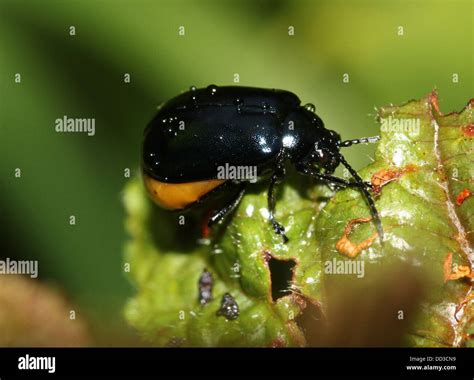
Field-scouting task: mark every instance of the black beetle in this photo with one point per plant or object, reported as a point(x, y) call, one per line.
point(198, 133)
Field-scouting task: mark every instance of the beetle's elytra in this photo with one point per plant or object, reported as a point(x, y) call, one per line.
point(196, 134)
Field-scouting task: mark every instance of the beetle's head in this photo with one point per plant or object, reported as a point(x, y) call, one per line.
point(325, 153)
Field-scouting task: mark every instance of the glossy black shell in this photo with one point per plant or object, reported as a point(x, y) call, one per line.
point(198, 131)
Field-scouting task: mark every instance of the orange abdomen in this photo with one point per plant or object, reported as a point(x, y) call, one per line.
point(176, 196)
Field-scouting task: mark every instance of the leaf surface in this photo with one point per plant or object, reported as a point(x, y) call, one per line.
point(422, 177)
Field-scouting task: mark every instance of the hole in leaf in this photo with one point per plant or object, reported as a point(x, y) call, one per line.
point(281, 275)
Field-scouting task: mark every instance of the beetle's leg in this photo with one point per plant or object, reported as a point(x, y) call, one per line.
point(362, 185)
point(368, 197)
point(276, 177)
point(331, 179)
point(229, 207)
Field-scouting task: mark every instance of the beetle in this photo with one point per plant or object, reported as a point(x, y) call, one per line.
point(194, 135)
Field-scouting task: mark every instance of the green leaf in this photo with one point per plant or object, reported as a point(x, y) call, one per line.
point(166, 309)
point(422, 221)
point(428, 162)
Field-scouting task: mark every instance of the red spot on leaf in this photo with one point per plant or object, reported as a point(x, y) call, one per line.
point(347, 247)
point(434, 102)
point(460, 272)
point(468, 130)
point(384, 176)
point(462, 196)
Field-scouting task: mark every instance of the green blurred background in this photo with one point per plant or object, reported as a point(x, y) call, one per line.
point(82, 76)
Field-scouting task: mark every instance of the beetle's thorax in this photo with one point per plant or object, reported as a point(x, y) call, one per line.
point(306, 141)
point(302, 129)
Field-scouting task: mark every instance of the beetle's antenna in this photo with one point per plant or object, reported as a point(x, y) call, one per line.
point(368, 197)
point(363, 140)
